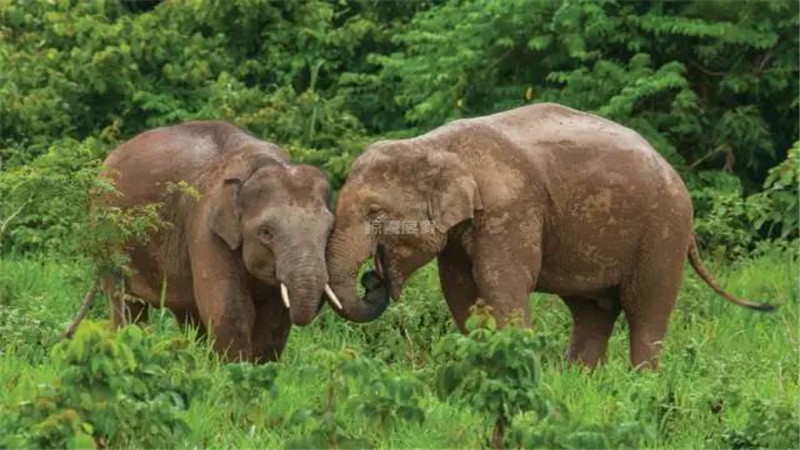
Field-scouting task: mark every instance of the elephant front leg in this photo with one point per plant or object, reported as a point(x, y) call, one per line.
point(272, 327)
point(227, 311)
point(223, 298)
point(505, 267)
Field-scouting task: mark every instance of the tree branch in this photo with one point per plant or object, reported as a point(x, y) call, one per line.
point(88, 300)
point(4, 224)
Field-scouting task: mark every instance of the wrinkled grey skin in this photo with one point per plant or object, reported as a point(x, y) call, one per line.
point(258, 221)
point(540, 198)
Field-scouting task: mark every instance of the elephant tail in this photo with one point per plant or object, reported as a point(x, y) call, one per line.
point(705, 274)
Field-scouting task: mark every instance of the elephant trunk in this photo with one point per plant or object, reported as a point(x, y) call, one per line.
point(348, 250)
point(303, 278)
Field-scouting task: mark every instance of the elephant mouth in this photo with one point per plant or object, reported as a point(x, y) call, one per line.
point(378, 283)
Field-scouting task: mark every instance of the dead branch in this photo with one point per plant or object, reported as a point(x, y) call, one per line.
point(86, 305)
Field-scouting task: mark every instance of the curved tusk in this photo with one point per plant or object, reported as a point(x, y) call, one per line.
point(285, 295)
point(332, 296)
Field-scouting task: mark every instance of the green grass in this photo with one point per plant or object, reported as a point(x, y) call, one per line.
point(729, 376)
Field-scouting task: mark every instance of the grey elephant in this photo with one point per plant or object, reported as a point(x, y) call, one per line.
point(242, 257)
point(540, 198)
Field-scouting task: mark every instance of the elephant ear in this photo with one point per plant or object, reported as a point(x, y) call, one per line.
point(453, 195)
point(225, 213)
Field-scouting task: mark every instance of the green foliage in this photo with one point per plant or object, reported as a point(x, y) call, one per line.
point(769, 425)
point(730, 223)
point(692, 77)
point(251, 386)
point(726, 376)
point(711, 84)
point(780, 194)
point(562, 430)
point(495, 371)
point(113, 389)
point(53, 197)
point(355, 385)
point(725, 220)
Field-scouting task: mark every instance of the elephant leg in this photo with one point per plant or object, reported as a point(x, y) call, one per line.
point(505, 267)
point(230, 322)
point(458, 286)
point(648, 299)
point(223, 296)
point(271, 330)
point(592, 325)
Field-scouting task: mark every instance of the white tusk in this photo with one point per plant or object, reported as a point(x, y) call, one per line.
point(285, 295)
point(332, 296)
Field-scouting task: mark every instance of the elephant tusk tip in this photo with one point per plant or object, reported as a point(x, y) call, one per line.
point(285, 296)
point(332, 296)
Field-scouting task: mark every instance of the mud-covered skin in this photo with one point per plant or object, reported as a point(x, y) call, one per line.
point(540, 198)
point(258, 221)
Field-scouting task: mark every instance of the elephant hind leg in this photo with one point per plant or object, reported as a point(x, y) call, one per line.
point(593, 323)
point(648, 299)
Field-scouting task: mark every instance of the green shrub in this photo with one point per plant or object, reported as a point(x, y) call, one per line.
point(495, 371)
point(354, 385)
point(113, 390)
point(768, 424)
point(561, 429)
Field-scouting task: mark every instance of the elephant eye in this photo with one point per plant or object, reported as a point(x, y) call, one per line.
point(374, 211)
point(265, 236)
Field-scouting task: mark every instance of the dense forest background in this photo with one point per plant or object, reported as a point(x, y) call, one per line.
point(713, 85)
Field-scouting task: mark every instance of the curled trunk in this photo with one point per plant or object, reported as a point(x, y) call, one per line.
point(347, 252)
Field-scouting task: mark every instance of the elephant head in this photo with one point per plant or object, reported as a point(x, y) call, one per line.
point(397, 206)
point(277, 217)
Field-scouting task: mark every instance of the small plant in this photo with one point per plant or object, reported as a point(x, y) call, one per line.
point(114, 389)
point(496, 371)
point(356, 385)
point(561, 430)
point(769, 425)
point(249, 385)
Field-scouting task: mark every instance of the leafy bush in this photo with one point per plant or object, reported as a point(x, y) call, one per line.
point(494, 371)
point(730, 224)
point(726, 221)
point(780, 194)
point(354, 385)
point(563, 430)
point(251, 386)
point(767, 425)
point(114, 389)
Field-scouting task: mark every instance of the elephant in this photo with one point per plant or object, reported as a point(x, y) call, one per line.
point(540, 198)
point(243, 256)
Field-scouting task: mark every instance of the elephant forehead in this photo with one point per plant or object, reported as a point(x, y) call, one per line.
point(293, 184)
point(294, 216)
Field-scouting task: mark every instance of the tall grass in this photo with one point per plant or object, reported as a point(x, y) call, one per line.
point(728, 379)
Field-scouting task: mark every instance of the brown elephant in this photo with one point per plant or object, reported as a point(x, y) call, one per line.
point(541, 198)
point(245, 258)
